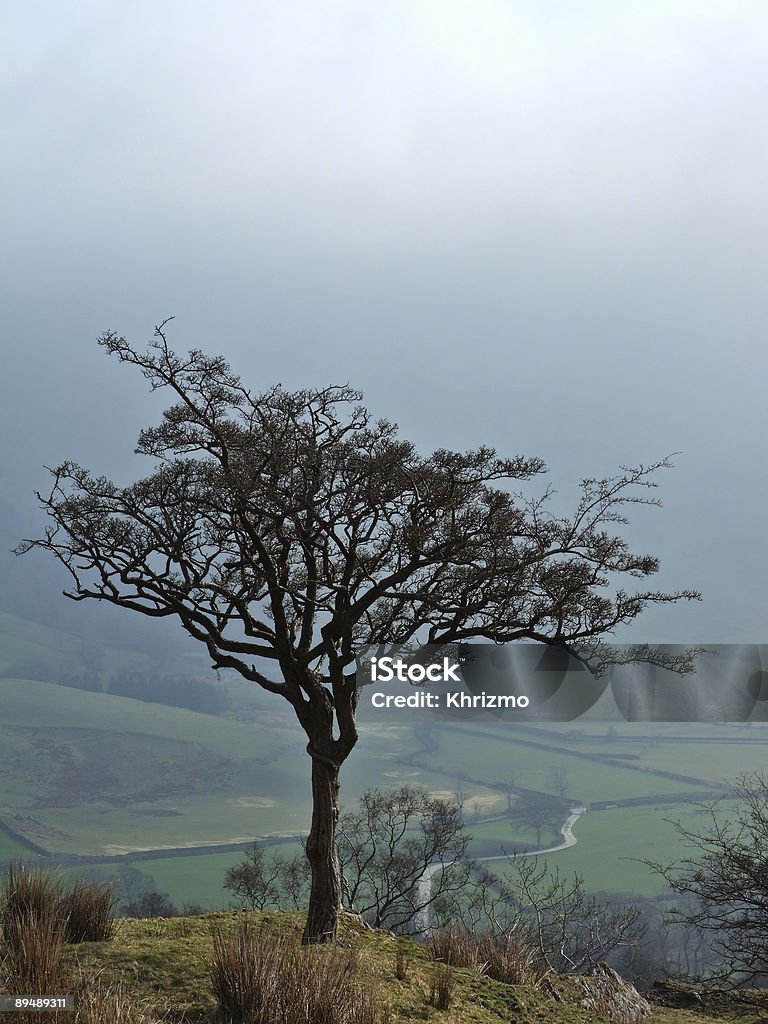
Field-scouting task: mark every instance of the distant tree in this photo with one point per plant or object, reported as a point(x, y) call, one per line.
point(151, 904)
point(724, 885)
point(539, 812)
point(263, 880)
point(131, 682)
point(86, 681)
point(285, 530)
point(138, 895)
point(460, 796)
point(507, 786)
point(176, 691)
point(559, 779)
point(192, 910)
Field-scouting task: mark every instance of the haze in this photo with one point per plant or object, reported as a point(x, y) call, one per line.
point(536, 226)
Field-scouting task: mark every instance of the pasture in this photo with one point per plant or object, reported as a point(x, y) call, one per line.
point(95, 774)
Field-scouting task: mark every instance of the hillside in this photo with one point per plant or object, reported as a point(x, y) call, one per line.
point(90, 773)
point(87, 777)
point(162, 966)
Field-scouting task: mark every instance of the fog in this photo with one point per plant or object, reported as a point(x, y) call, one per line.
point(539, 227)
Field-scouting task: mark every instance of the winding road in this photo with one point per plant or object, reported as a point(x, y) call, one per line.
point(569, 839)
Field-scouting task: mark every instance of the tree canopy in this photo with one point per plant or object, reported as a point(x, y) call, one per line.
point(286, 529)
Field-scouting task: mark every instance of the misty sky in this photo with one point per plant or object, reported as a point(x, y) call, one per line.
point(535, 225)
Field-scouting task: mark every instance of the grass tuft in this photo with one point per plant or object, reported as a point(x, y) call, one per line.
point(102, 1002)
point(86, 910)
point(442, 982)
point(261, 978)
point(32, 949)
point(503, 957)
point(82, 912)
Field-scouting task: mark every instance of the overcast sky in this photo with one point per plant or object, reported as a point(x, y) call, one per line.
point(540, 226)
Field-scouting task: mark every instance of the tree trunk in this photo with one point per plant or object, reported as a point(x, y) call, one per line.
point(325, 894)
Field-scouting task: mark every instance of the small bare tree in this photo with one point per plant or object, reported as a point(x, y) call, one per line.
point(570, 929)
point(261, 881)
point(507, 785)
point(402, 852)
point(558, 777)
point(724, 884)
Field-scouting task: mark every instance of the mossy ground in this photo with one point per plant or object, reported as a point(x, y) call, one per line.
point(163, 965)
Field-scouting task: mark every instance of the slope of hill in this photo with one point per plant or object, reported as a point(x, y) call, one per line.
point(163, 967)
point(92, 773)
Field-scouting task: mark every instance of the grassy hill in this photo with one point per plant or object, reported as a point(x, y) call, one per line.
point(92, 773)
point(162, 967)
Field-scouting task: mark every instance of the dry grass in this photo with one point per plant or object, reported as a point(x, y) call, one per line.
point(502, 957)
point(442, 982)
point(98, 1001)
point(32, 949)
point(82, 912)
point(38, 915)
point(401, 962)
point(262, 978)
point(28, 893)
point(86, 909)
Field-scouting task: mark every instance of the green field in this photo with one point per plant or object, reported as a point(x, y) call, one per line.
point(90, 773)
point(186, 880)
point(10, 848)
point(114, 775)
point(613, 844)
point(493, 759)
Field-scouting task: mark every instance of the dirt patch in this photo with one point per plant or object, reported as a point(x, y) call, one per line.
point(251, 801)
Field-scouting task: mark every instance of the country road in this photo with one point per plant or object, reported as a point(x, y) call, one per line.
point(569, 839)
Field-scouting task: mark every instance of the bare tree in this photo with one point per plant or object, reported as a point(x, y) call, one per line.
point(570, 929)
point(284, 530)
point(725, 884)
point(402, 851)
point(261, 880)
point(460, 796)
point(559, 779)
point(508, 788)
point(258, 880)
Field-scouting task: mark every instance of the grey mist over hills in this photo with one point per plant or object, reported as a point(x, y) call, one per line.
point(529, 228)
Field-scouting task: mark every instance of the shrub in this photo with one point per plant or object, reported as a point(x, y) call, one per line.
point(260, 978)
point(151, 904)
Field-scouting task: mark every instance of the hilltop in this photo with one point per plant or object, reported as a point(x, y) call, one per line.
point(161, 965)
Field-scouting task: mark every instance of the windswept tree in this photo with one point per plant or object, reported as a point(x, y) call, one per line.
point(286, 529)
